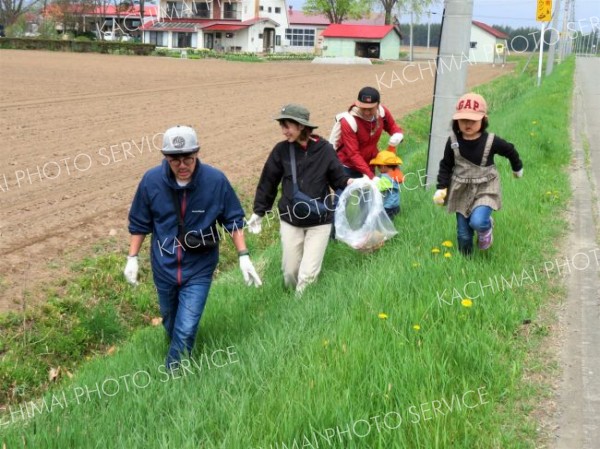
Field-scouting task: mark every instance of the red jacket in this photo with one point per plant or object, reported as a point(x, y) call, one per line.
point(359, 148)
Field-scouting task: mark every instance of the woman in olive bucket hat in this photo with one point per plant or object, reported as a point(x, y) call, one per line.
point(306, 166)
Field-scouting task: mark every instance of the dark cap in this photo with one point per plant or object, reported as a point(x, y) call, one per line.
point(296, 113)
point(368, 97)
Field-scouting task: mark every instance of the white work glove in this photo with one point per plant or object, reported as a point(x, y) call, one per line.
point(376, 180)
point(249, 273)
point(518, 174)
point(254, 225)
point(131, 270)
point(440, 196)
point(395, 139)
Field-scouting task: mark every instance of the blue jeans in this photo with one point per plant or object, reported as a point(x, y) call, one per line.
point(466, 226)
point(392, 212)
point(181, 308)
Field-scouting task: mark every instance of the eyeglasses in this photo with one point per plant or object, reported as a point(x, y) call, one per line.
point(176, 161)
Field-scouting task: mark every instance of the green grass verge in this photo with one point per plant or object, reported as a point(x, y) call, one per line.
point(380, 353)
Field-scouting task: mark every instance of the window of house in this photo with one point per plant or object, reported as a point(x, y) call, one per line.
point(158, 38)
point(261, 8)
point(174, 10)
point(300, 37)
point(473, 44)
point(202, 10)
point(228, 35)
point(270, 9)
point(277, 10)
point(182, 40)
point(260, 35)
point(277, 39)
point(230, 11)
point(218, 35)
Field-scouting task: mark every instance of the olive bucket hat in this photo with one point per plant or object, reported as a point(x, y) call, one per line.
point(297, 113)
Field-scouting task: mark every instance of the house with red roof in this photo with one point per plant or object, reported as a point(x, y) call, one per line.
point(222, 25)
point(366, 41)
point(487, 44)
point(83, 17)
point(304, 32)
point(261, 26)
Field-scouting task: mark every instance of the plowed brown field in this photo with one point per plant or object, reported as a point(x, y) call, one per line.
point(77, 132)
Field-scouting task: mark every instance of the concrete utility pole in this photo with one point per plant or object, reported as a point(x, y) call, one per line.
point(429, 13)
point(553, 39)
point(451, 78)
point(563, 34)
point(411, 52)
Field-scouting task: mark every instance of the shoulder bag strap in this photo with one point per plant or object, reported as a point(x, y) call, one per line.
point(486, 150)
point(293, 163)
point(453, 140)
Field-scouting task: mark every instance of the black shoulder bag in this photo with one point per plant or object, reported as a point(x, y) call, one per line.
point(304, 206)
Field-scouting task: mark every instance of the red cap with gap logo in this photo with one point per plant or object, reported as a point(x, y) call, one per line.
point(470, 106)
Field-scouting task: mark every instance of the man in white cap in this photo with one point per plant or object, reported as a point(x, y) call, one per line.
point(180, 203)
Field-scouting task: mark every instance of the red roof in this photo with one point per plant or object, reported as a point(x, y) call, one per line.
point(299, 18)
point(358, 31)
point(224, 27)
point(494, 32)
point(372, 19)
point(193, 25)
point(111, 10)
point(107, 10)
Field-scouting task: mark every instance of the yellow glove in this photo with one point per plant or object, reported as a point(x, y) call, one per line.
point(440, 196)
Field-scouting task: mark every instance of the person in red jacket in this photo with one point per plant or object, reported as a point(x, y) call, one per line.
point(358, 148)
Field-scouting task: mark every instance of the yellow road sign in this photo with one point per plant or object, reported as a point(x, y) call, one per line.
point(543, 11)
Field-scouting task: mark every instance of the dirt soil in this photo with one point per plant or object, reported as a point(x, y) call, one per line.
point(79, 130)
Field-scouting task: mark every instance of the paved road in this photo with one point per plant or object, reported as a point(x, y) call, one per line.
point(579, 400)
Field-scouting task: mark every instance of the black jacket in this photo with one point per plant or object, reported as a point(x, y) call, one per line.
point(472, 150)
point(317, 169)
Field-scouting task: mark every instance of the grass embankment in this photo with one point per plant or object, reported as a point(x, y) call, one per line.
point(384, 351)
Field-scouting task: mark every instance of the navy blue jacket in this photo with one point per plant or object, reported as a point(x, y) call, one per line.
point(208, 199)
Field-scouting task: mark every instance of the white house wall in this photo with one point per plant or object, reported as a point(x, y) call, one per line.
point(280, 17)
point(390, 47)
point(486, 45)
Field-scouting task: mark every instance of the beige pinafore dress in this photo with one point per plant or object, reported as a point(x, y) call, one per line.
point(473, 185)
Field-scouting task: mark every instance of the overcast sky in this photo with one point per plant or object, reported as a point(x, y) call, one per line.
point(516, 13)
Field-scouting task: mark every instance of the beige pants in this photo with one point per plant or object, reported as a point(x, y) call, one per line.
point(303, 252)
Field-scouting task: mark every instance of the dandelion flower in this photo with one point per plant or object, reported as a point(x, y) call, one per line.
point(325, 343)
point(435, 250)
point(416, 264)
point(467, 302)
point(534, 122)
point(417, 327)
point(447, 244)
point(383, 316)
point(447, 254)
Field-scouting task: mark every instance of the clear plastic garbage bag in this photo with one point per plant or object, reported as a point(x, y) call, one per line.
point(360, 219)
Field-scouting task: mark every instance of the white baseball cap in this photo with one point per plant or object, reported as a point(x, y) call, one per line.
point(180, 140)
